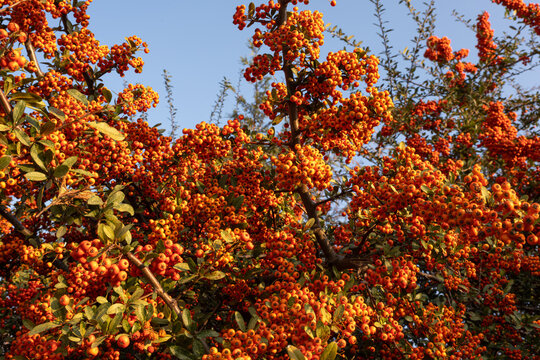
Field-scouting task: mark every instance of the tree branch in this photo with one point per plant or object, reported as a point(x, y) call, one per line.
point(4, 102)
point(303, 191)
point(15, 222)
point(32, 54)
point(171, 303)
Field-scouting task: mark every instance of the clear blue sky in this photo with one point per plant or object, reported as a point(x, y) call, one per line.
point(198, 44)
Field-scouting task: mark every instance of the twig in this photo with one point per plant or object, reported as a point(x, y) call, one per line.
point(332, 198)
point(4, 102)
point(15, 222)
point(32, 54)
point(171, 303)
point(11, 6)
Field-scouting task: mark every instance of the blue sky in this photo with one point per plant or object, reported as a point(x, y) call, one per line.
point(198, 44)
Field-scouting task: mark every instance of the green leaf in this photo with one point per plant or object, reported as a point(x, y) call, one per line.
point(338, 314)
point(108, 231)
point(180, 353)
point(62, 230)
point(38, 156)
point(77, 95)
point(28, 324)
point(207, 333)
point(70, 161)
point(329, 352)
point(18, 111)
point(23, 137)
point(57, 113)
point(60, 171)
point(4, 161)
point(116, 308)
point(277, 120)
point(226, 236)
point(95, 200)
point(125, 208)
point(295, 353)
point(106, 94)
point(4, 127)
point(47, 128)
point(43, 327)
point(108, 130)
point(35, 176)
point(186, 318)
point(325, 316)
point(309, 224)
point(240, 321)
point(137, 294)
point(181, 266)
point(215, 275)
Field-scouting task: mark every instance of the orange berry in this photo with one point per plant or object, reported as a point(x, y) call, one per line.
point(123, 341)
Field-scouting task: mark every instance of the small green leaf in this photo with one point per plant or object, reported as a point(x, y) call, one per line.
point(108, 231)
point(57, 113)
point(18, 110)
point(309, 224)
point(62, 230)
point(28, 324)
point(186, 318)
point(329, 352)
point(125, 208)
point(47, 128)
point(43, 327)
point(22, 137)
point(77, 95)
point(60, 171)
point(240, 321)
point(35, 176)
point(277, 120)
point(108, 130)
point(4, 161)
point(226, 236)
point(215, 275)
point(36, 152)
point(181, 267)
point(295, 353)
point(95, 200)
point(106, 94)
point(115, 308)
point(338, 314)
point(70, 161)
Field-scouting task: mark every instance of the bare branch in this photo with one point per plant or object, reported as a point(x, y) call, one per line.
point(4, 102)
point(32, 54)
point(171, 303)
point(15, 222)
point(11, 6)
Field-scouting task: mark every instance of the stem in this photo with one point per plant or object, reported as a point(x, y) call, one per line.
point(171, 303)
point(15, 222)
point(32, 54)
point(87, 78)
point(4, 102)
point(11, 6)
point(303, 191)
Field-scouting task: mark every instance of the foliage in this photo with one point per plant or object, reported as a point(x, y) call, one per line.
point(119, 243)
